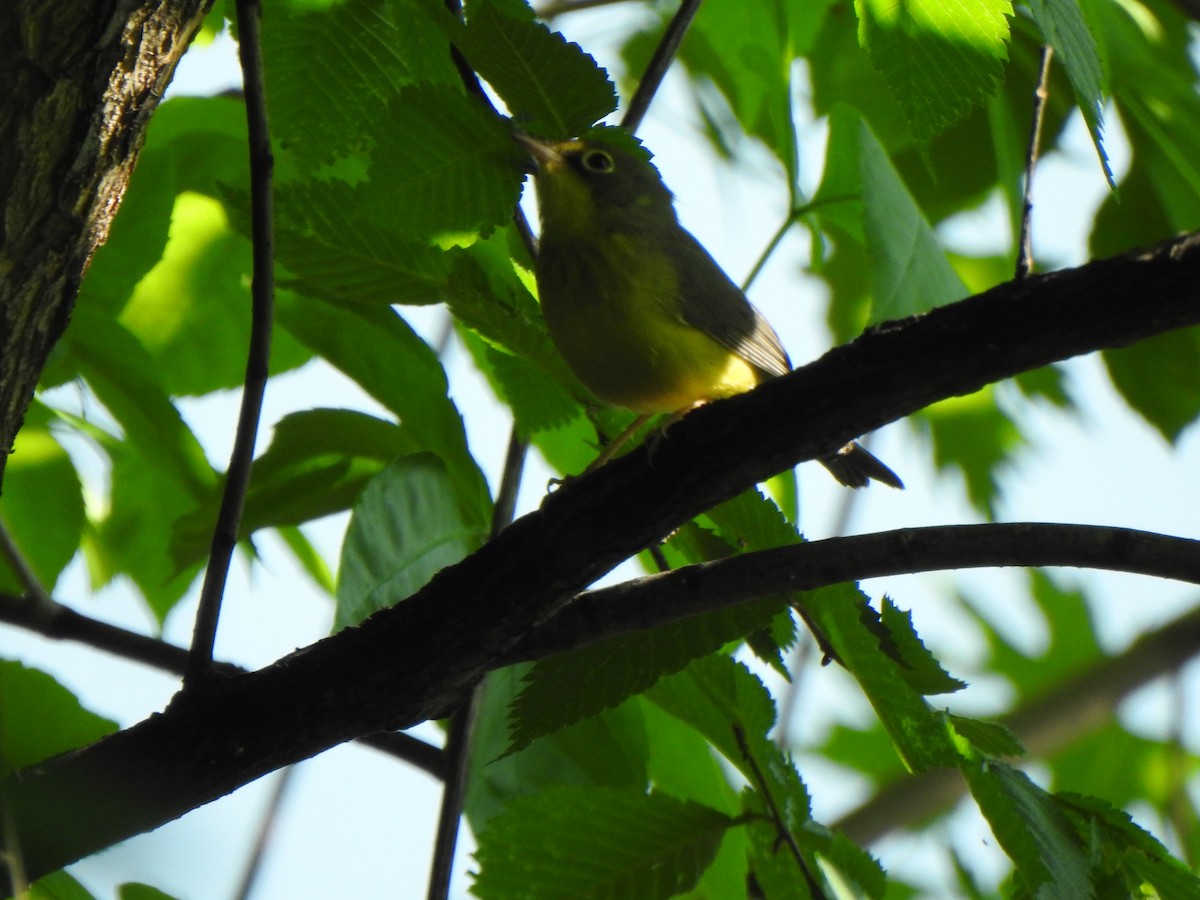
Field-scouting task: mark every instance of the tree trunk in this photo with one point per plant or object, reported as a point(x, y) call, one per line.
point(81, 80)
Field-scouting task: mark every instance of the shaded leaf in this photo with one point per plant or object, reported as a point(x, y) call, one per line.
point(597, 843)
point(406, 527)
point(551, 86)
point(40, 718)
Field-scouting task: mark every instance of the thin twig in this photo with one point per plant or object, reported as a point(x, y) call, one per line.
point(756, 270)
point(263, 836)
point(36, 591)
point(1024, 244)
point(62, 623)
point(781, 828)
point(457, 752)
point(656, 70)
point(462, 723)
point(237, 479)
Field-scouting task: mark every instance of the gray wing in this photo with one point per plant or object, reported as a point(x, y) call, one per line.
point(717, 306)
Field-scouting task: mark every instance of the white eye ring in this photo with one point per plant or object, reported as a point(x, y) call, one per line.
point(598, 161)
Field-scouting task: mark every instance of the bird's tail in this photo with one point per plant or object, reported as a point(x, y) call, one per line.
point(855, 467)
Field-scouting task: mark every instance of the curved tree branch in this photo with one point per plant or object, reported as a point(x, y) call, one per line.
point(669, 596)
point(413, 661)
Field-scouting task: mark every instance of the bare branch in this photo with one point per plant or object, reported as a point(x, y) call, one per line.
point(667, 597)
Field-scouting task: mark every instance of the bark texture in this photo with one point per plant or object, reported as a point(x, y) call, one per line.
point(81, 80)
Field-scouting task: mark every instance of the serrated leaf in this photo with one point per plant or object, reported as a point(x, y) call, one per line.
point(990, 738)
point(332, 72)
point(918, 666)
point(610, 749)
point(1063, 24)
point(939, 58)
point(334, 253)
point(462, 176)
point(715, 695)
point(617, 668)
point(40, 718)
point(851, 626)
point(1157, 378)
point(551, 86)
point(1032, 830)
point(406, 527)
point(577, 843)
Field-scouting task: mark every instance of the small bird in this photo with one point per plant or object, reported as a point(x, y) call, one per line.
point(639, 310)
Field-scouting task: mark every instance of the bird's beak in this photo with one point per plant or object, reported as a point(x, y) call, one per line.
point(544, 154)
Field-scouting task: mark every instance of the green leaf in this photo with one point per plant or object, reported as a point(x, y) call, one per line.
point(1064, 25)
point(462, 177)
point(331, 73)
point(911, 272)
point(1140, 860)
point(58, 886)
point(1071, 645)
point(609, 749)
point(1032, 830)
point(40, 718)
point(989, 738)
point(174, 271)
point(42, 503)
point(920, 669)
point(594, 843)
point(332, 252)
point(378, 349)
point(318, 462)
point(861, 195)
point(1157, 378)
point(718, 696)
point(617, 668)
point(490, 296)
point(552, 87)
point(853, 630)
point(406, 527)
point(746, 51)
point(973, 435)
point(938, 58)
point(133, 891)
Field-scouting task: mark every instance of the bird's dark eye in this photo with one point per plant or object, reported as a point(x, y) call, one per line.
point(598, 161)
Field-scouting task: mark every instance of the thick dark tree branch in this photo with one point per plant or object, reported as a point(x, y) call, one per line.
point(667, 597)
point(413, 661)
point(57, 621)
point(80, 81)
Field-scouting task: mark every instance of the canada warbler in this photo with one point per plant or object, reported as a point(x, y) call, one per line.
point(639, 310)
